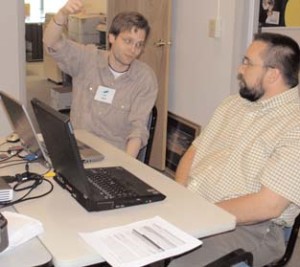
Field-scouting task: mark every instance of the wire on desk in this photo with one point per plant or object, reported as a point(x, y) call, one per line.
point(11, 152)
point(27, 181)
point(19, 162)
point(3, 143)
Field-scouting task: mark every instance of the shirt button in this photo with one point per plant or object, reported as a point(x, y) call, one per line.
point(122, 107)
point(91, 89)
point(193, 183)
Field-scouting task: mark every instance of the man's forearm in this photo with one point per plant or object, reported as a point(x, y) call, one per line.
point(184, 166)
point(59, 21)
point(54, 29)
point(133, 146)
point(255, 207)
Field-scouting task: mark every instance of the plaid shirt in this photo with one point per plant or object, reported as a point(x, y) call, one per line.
point(247, 145)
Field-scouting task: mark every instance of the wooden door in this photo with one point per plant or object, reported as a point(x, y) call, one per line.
point(158, 13)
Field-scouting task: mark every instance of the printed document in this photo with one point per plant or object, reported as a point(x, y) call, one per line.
point(140, 243)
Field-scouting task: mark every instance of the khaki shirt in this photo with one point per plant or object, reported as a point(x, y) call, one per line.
point(135, 93)
point(250, 144)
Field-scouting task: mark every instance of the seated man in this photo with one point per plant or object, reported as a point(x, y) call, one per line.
point(113, 92)
point(246, 161)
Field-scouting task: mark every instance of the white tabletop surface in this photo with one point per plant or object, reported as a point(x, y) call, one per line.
point(63, 217)
point(31, 253)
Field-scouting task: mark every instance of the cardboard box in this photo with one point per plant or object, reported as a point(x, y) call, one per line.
point(61, 98)
point(82, 28)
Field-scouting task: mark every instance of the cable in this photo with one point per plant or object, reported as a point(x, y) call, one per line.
point(14, 164)
point(27, 181)
point(8, 158)
point(23, 198)
point(3, 143)
point(12, 152)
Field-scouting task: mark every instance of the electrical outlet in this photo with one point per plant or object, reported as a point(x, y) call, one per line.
point(214, 28)
point(211, 28)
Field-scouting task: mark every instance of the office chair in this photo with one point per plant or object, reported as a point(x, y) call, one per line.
point(145, 152)
point(236, 258)
point(241, 257)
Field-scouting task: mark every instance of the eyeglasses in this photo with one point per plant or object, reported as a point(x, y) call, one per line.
point(247, 63)
point(128, 41)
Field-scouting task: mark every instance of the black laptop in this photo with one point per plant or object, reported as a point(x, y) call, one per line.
point(95, 189)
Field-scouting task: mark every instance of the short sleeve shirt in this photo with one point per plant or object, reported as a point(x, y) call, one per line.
point(247, 145)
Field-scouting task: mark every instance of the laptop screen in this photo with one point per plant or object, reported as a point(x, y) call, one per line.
point(61, 144)
point(21, 124)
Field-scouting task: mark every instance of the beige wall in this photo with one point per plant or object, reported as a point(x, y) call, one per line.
point(95, 6)
point(12, 54)
point(203, 69)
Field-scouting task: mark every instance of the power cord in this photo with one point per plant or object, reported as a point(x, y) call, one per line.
point(27, 181)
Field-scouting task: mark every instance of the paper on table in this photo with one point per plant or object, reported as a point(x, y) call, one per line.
point(140, 243)
point(21, 228)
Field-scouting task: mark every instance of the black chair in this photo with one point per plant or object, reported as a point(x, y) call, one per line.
point(233, 258)
point(290, 247)
point(145, 152)
point(241, 256)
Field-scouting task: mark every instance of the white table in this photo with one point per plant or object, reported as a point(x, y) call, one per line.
point(63, 217)
point(31, 253)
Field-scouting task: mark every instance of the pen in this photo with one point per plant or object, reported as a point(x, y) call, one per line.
point(146, 238)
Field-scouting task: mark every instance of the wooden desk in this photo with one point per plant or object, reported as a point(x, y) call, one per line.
point(63, 218)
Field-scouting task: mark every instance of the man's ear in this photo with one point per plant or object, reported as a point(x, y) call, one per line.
point(111, 38)
point(273, 74)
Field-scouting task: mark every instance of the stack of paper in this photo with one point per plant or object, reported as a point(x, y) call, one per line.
point(21, 228)
point(140, 243)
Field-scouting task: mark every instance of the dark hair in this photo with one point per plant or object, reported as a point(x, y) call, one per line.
point(282, 53)
point(125, 21)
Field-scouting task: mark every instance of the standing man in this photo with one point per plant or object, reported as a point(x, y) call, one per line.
point(246, 161)
point(113, 92)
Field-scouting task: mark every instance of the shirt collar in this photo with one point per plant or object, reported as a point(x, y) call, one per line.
point(291, 95)
point(104, 65)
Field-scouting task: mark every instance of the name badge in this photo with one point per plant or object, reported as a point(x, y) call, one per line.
point(105, 94)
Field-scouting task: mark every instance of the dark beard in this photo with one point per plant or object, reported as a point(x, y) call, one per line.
point(249, 93)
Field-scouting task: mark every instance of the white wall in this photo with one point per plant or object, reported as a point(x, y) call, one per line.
point(12, 54)
point(203, 69)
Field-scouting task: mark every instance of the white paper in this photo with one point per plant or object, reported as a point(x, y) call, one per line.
point(140, 243)
point(21, 228)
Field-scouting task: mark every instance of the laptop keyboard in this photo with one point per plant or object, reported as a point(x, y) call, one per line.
point(106, 181)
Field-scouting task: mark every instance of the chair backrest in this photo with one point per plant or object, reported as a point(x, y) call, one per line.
point(145, 152)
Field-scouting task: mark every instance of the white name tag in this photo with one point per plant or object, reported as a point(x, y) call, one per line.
point(105, 94)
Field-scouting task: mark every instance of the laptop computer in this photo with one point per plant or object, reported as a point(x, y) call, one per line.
point(96, 188)
point(22, 125)
point(30, 140)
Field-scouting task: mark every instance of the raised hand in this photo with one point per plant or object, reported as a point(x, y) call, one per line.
point(72, 7)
